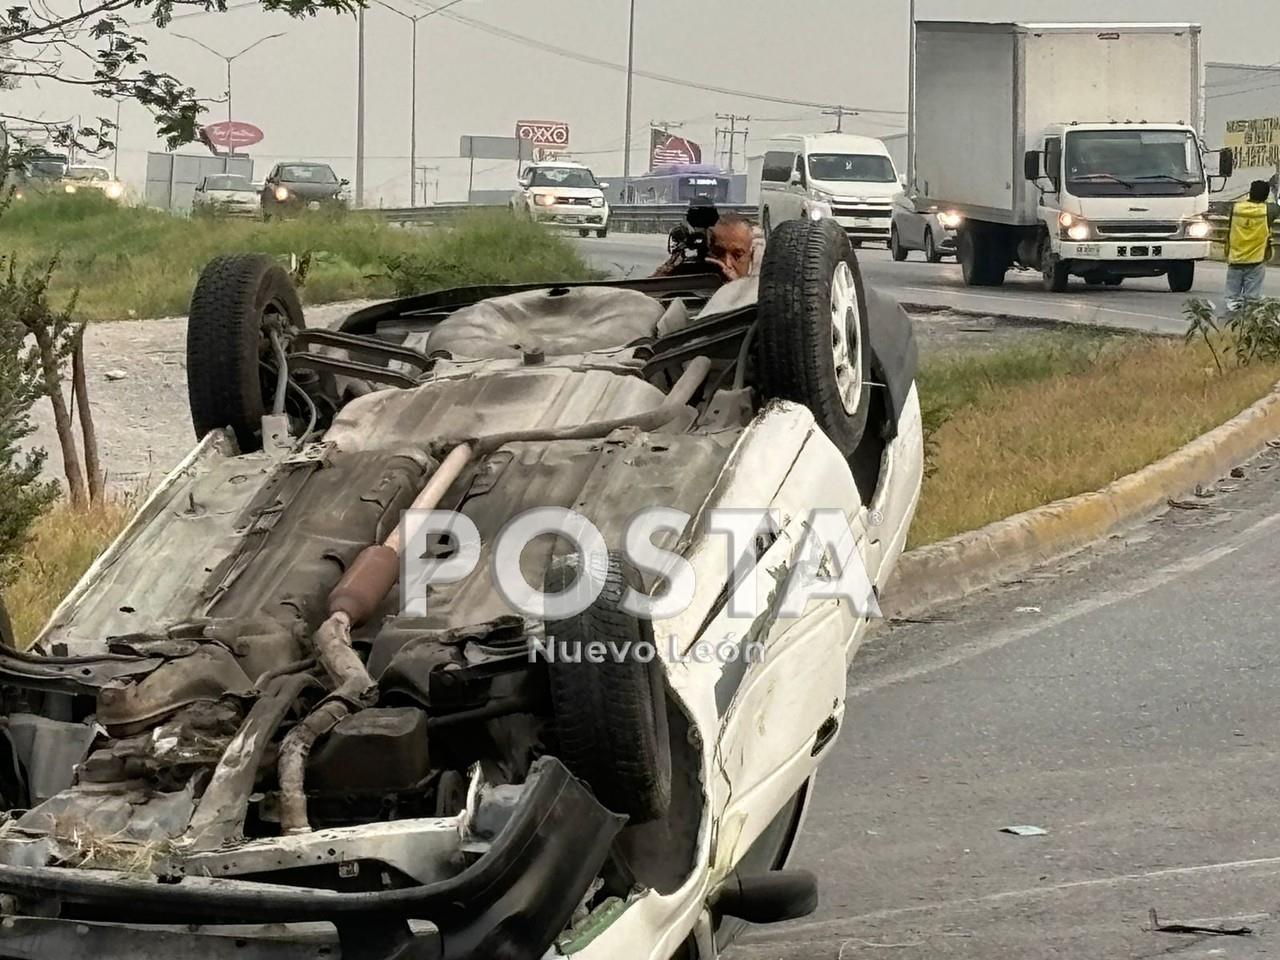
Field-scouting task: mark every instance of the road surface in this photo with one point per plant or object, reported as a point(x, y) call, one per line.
point(1127, 702)
point(1145, 305)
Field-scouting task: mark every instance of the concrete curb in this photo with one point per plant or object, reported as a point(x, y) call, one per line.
point(949, 570)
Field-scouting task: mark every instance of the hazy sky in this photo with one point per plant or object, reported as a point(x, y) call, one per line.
point(301, 89)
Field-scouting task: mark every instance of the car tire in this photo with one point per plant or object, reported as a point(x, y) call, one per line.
point(601, 234)
point(1114, 281)
point(1054, 271)
point(930, 248)
point(1093, 281)
point(236, 300)
point(896, 248)
point(978, 261)
point(1182, 276)
point(766, 222)
point(610, 717)
point(803, 352)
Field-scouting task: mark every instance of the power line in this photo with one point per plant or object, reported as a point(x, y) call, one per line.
point(649, 74)
point(1239, 93)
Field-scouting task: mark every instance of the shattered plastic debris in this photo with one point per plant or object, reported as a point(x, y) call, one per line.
point(1026, 610)
point(1025, 830)
point(1219, 931)
point(114, 375)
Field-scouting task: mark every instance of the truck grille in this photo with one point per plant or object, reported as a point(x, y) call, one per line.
point(1138, 228)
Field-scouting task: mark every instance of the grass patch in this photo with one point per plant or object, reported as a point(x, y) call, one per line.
point(64, 542)
point(1037, 422)
point(140, 262)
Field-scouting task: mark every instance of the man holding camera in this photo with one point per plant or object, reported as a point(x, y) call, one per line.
point(730, 249)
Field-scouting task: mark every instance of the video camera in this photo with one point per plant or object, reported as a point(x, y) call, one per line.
point(690, 240)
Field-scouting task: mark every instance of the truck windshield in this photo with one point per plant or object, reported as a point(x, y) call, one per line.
point(1143, 162)
point(851, 167)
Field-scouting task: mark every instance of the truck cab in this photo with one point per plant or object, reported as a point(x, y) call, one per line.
point(1119, 200)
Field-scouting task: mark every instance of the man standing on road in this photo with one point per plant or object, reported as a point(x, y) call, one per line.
point(1248, 246)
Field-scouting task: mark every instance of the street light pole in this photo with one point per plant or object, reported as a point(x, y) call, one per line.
point(360, 108)
point(231, 149)
point(911, 99)
point(413, 117)
point(631, 66)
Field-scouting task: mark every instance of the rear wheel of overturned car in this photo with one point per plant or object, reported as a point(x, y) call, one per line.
point(239, 301)
point(610, 717)
point(811, 337)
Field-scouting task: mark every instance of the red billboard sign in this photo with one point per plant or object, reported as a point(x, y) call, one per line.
point(547, 134)
point(231, 133)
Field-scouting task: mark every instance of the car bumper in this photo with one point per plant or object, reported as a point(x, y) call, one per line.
point(596, 217)
point(1131, 251)
point(865, 228)
point(511, 902)
point(947, 243)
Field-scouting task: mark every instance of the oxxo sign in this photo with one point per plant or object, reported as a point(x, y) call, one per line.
point(544, 134)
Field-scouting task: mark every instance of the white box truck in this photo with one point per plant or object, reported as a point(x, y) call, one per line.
point(1072, 149)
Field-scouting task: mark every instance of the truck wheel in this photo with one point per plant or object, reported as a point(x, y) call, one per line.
point(1054, 270)
point(977, 259)
point(895, 245)
point(610, 717)
point(237, 302)
point(811, 342)
point(1182, 276)
point(930, 248)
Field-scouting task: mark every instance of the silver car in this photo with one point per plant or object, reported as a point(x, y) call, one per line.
point(227, 194)
point(930, 230)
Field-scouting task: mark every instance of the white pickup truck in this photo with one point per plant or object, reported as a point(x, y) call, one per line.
point(1073, 149)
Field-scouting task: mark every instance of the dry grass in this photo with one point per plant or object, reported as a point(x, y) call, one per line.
point(64, 542)
point(1091, 418)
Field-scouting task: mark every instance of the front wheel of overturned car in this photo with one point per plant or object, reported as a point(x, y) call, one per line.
point(611, 716)
point(811, 340)
point(239, 301)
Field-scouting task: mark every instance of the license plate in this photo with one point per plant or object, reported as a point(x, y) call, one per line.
point(1140, 251)
point(313, 205)
point(1088, 250)
point(571, 219)
point(863, 222)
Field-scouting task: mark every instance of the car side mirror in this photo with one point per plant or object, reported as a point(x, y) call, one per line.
point(796, 179)
point(902, 181)
point(603, 186)
point(343, 182)
point(1226, 163)
point(1031, 165)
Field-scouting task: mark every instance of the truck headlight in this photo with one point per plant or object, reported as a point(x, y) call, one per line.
point(1066, 219)
point(1199, 229)
point(950, 219)
point(544, 200)
point(282, 194)
point(1078, 230)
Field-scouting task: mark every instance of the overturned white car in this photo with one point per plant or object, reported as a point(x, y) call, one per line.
point(255, 731)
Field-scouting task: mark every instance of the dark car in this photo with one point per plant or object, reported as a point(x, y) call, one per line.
point(294, 187)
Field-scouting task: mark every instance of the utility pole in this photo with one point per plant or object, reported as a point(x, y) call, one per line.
point(732, 133)
point(839, 113)
point(631, 67)
point(911, 98)
point(413, 99)
point(360, 106)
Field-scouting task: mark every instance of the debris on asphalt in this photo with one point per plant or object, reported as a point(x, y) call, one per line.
point(1237, 473)
point(114, 375)
point(1203, 491)
point(1026, 609)
point(1188, 505)
point(1025, 830)
point(1158, 927)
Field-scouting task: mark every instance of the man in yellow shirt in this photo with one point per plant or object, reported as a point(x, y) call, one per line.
point(1248, 246)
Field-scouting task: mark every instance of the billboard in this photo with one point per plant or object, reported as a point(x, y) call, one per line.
point(547, 135)
point(1242, 114)
point(666, 148)
point(494, 148)
point(230, 133)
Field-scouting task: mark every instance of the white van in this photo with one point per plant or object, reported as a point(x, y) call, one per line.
point(838, 175)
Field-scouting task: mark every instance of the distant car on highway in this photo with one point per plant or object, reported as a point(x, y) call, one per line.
point(564, 194)
point(291, 188)
point(228, 195)
point(916, 228)
point(92, 178)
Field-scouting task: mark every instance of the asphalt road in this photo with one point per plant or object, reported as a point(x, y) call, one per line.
point(1145, 305)
point(1127, 702)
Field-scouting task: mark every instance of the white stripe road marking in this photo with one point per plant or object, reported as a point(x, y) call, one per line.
point(835, 926)
point(1158, 578)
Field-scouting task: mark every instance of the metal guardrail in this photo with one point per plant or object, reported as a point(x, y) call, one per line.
point(629, 217)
